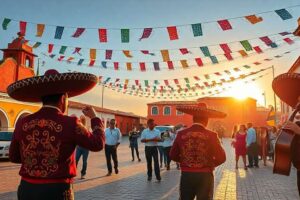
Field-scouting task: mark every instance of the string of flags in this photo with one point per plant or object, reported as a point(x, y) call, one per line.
point(171, 64)
point(171, 30)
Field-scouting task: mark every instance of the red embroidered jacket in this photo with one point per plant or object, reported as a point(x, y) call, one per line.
point(44, 143)
point(197, 149)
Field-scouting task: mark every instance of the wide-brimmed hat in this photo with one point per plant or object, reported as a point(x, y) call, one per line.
point(201, 110)
point(34, 88)
point(287, 87)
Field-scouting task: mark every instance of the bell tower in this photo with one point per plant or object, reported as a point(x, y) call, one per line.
point(17, 63)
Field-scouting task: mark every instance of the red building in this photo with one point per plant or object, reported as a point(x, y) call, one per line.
point(238, 112)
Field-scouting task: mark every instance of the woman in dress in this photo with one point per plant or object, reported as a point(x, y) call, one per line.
point(240, 146)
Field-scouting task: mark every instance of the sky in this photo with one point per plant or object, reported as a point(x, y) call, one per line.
point(139, 14)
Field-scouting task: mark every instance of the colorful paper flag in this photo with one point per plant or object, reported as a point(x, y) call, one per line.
point(214, 59)
point(62, 49)
point(146, 83)
point(58, 32)
point(172, 31)
point(142, 66)
point(108, 54)
point(147, 52)
point(92, 62)
point(197, 29)
point(170, 65)
point(184, 51)
point(247, 46)
point(266, 40)
point(253, 19)
point(23, 27)
point(224, 24)
point(136, 82)
point(284, 33)
point(165, 55)
point(166, 82)
point(102, 32)
point(40, 30)
point(273, 45)
point(116, 66)
point(50, 48)
point(70, 59)
point(184, 63)
point(288, 40)
point(199, 62)
point(5, 23)
point(77, 50)
point(257, 49)
point(80, 61)
point(284, 14)
point(93, 53)
point(124, 35)
point(78, 32)
point(243, 53)
point(146, 33)
point(187, 80)
point(225, 48)
point(104, 64)
point(60, 58)
point(129, 66)
point(228, 56)
point(127, 53)
point(52, 55)
point(156, 66)
point(205, 51)
point(36, 45)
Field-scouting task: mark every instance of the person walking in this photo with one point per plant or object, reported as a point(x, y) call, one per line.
point(168, 138)
point(199, 151)
point(240, 145)
point(272, 141)
point(133, 143)
point(252, 149)
point(80, 151)
point(150, 136)
point(44, 142)
point(113, 139)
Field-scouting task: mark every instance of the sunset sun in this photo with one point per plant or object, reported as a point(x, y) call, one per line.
point(240, 90)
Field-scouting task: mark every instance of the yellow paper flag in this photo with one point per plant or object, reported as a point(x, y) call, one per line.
point(165, 55)
point(92, 54)
point(40, 30)
point(127, 53)
point(243, 53)
point(129, 66)
point(184, 64)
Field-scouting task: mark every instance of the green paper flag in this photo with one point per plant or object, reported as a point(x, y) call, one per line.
point(5, 23)
point(62, 49)
point(156, 82)
point(36, 45)
point(186, 80)
point(125, 35)
point(247, 46)
point(197, 30)
point(146, 83)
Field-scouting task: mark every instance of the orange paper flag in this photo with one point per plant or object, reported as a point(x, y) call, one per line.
point(243, 53)
point(253, 19)
point(165, 55)
point(40, 30)
point(92, 54)
point(127, 53)
point(129, 66)
point(184, 64)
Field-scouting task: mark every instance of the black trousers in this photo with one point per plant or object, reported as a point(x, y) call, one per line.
point(136, 148)
point(111, 153)
point(167, 152)
point(48, 191)
point(151, 152)
point(196, 184)
point(298, 181)
point(252, 152)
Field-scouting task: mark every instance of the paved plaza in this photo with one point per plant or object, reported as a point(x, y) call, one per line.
point(131, 183)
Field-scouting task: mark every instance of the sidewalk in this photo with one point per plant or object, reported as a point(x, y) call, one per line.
point(131, 183)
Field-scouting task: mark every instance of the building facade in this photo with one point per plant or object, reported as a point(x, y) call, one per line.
point(238, 112)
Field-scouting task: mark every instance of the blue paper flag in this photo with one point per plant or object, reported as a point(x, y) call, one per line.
point(59, 31)
point(214, 59)
point(205, 51)
point(103, 63)
point(80, 61)
point(284, 14)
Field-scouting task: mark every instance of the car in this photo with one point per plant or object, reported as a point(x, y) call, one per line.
point(5, 139)
point(163, 128)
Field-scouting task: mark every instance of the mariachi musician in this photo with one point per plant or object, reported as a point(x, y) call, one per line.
point(286, 87)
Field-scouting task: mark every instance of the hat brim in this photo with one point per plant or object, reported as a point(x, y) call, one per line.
point(287, 88)
point(201, 112)
point(34, 88)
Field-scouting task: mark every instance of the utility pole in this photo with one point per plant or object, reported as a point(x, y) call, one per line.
point(102, 102)
point(275, 103)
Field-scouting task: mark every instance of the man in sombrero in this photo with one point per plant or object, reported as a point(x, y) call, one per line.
point(44, 142)
point(287, 88)
point(199, 151)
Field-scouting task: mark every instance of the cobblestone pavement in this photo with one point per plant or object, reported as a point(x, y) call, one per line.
point(131, 183)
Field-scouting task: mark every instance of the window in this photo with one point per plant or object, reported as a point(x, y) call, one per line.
point(28, 62)
point(167, 110)
point(179, 112)
point(154, 110)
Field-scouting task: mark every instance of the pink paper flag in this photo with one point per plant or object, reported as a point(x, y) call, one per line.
point(60, 58)
point(228, 56)
point(170, 65)
point(77, 50)
point(199, 62)
point(266, 40)
point(224, 24)
point(78, 32)
point(225, 48)
point(172, 30)
point(92, 62)
point(108, 54)
point(257, 49)
point(116, 65)
point(23, 27)
point(143, 66)
point(146, 33)
point(184, 51)
point(166, 82)
point(288, 40)
point(102, 35)
point(50, 48)
point(136, 82)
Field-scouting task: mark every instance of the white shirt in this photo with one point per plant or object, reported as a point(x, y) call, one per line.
point(148, 134)
point(112, 136)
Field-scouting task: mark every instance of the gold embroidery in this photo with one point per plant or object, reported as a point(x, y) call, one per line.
point(40, 149)
point(196, 150)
